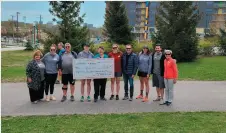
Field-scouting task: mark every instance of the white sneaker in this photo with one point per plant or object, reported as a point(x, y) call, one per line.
point(52, 98)
point(161, 101)
point(47, 99)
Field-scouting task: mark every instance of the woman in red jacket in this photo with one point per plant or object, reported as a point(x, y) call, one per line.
point(170, 77)
point(116, 54)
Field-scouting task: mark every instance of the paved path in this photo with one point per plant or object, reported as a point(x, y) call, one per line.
point(189, 96)
point(12, 48)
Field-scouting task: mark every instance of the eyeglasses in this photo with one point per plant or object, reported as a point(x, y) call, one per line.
point(67, 46)
point(52, 49)
point(168, 54)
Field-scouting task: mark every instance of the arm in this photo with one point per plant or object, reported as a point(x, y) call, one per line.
point(43, 58)
point(149, 65)
point(135, 64)
point(29, 71)
point(175, 71)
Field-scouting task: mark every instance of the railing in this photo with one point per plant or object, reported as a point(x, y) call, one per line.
point(219, 6)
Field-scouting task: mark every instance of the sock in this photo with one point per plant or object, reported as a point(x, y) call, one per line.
point(141, 92)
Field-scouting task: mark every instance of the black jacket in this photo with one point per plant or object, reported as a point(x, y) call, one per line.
point(161, 64)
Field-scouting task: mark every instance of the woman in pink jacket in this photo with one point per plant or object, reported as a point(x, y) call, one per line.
point(170, 77)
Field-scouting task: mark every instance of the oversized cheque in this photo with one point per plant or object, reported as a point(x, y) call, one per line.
point(93, 68)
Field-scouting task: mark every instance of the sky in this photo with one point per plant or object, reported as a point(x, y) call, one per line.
point(94, 11)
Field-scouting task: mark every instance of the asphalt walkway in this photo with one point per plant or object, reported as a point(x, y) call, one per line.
point(189, 96)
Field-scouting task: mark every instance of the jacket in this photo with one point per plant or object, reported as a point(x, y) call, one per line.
point(171, 71)
point(161, 64)
point(144, 63)
point(33, 72)
point(132, 64)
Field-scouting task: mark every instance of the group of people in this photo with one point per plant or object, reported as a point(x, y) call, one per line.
point(42, 73)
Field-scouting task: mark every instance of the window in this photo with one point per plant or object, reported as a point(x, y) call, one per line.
point(209, 3)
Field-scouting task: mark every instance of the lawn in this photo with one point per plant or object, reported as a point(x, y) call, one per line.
point(207, 68)
point(178, 122)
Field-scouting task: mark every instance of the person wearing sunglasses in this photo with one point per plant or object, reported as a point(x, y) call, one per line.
point(100, 84)
point(117, 55)
point(85, 54)
point(51, 60)
point(144, 71)
point(170, 77)
point(66, 70)
point(60, 51)
point(129, 69)
point(35, 72)
point(157, 70)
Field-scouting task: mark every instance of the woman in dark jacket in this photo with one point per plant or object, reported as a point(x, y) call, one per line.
point(35, 77)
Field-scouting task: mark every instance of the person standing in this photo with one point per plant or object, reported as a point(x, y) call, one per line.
point(129, 69)
point(100, 84)
point(61, 51)
point(158, 72)
point(170, 77)
point(117, 55)
point(51, 60)
point(85, 54)
point(66, 70)
point(144, 71)
point(35, 77)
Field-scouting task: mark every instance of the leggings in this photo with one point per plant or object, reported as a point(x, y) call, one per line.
point(99, 88)
point(50, 81)
point(37, 94)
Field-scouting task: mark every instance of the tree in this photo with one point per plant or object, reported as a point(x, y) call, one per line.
point(29, 46)
point(176, 29)
point(223, 40)
point(69, 23)
point(116, 26)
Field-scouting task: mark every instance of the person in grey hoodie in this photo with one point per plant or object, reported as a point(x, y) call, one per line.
point(144, 71)
point(85, 54)
point(51, 60)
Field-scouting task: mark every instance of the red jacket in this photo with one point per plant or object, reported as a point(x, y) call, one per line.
point(117, 57)
point(171, 71)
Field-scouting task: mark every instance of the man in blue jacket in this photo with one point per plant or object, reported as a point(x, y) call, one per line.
point(129, 69)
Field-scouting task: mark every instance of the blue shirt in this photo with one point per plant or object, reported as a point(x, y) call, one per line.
point(98, 56)
point(61, 51)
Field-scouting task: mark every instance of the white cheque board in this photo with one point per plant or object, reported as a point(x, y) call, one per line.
point(93, 68)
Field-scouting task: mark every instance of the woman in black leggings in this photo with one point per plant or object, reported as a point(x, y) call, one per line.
point(51, 60)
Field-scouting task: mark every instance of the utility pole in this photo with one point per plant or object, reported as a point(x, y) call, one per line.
point(17, 13)
point(13, 26)
point(39, 27)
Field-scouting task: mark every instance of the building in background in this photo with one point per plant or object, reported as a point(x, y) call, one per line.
point(219, 16)
point(141, 16)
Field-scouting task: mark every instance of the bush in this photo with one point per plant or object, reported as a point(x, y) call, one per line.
point(29, 46)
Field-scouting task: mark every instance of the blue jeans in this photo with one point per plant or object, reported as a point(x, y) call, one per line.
point(126, 78)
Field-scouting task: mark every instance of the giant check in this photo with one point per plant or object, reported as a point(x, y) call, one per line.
point(93, 68)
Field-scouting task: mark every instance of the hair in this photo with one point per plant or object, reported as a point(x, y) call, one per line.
point(148, 52)
point(129, 45)
point(53, 45)
point(60, 43)
point(158, 45)
point(101, 47)
point(36, 53)
point(68, 44)
point(168, 51)
point(115, 44)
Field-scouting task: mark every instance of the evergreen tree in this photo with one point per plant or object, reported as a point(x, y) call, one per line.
point(223, 40)
point(29, 46)
point(116, 26)
point(176, 29)
point(69, 24)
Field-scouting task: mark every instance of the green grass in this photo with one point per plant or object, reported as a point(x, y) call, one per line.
point(196, 122)
point(206, 68)
point(14, 64)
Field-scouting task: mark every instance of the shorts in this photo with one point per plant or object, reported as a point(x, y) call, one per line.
point(68, 78)
point(118, 74)
point(158, 81)
point(142, 74)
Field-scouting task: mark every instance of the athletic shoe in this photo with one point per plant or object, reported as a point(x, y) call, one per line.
point(164, 103)
point(157, 99)
point(57, 82)
point(145, 99)
point(169, 103)
point(64, 98)
point(72, 98)
point(88, 99)
point(82, 99)
point(117, 97)
point(52, 98)
point(47, 99)
point(125, 98)
point(131, 99)
point(103, 99)
point(95, 100)
point(112, 97)
point(35, 102)
point(139, 97)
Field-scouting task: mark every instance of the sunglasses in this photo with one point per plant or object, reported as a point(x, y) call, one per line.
point(52, 49)
point(114, 47)
point(128, 48)
point(67, 46)
point(168, 54)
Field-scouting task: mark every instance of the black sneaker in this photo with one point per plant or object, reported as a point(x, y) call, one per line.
point(95, 100)
point(165, 103)
point(103, 99)
point(125, 98)
point(168, 103)
point(72, 98)
point(57, 82)
point(112, 97)
point(131, 99)
point(117, 97)
point(64, 98)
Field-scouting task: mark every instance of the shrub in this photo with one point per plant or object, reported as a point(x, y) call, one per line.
point(29, 46)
